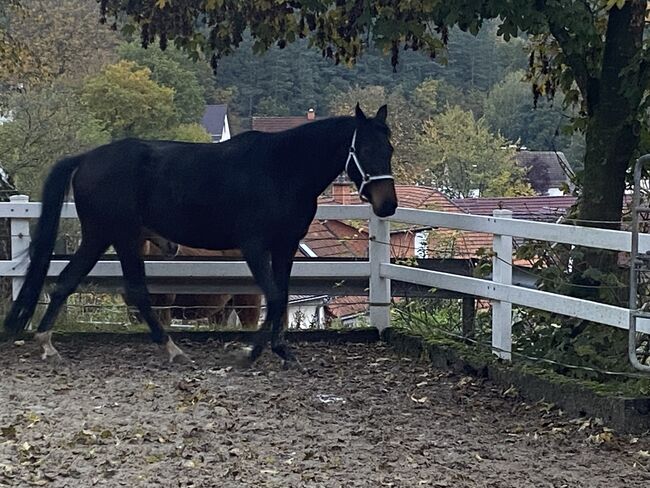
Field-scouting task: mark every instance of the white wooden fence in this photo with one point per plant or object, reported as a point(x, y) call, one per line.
point(378, 268)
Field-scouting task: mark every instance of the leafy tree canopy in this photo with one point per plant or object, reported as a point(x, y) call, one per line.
point(128, 102)
point(166, 71)
point(48, 39)
point(592, 50)
point(509, 110)
point(46, 125)
point(465, 158)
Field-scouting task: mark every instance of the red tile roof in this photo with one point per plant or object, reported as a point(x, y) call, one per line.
point(540, 208)
point(347, 306)
point(424, 197)
point(409, 196)
point(459, 244)
point(278, 124)
point(333, 238)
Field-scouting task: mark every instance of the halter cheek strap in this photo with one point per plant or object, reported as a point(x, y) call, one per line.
point(365, 177)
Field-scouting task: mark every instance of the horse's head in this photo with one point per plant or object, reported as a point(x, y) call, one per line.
point(368, 164)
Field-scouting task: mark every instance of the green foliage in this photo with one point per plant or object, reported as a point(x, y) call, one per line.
point(166, 71)
point(594, 53)
point(13, 54)
point(270, 107)
point(188, 133)
point(510, 111)
point(429, 316)
point(561, 269)
point(298, 78)
point(53, 39)
point(464, 156)
point(47, 124)
point(127, 102)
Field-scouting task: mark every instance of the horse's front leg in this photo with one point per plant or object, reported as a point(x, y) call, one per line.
point(271, 271)
point(282, 262)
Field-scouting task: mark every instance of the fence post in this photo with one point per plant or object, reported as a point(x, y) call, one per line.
point(502, 273)
point(20, 240)
point(379, 252)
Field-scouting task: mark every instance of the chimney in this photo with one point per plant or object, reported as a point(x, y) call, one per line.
point(342, 191)
point(311, 114)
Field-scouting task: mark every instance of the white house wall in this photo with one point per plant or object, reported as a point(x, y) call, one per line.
point(225, 135)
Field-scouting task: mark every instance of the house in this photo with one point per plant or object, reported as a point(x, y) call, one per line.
point(215, 122)
point(548, 171)
point(278, 124)
point(335, 238)
point(307, 311)
point(537, 208)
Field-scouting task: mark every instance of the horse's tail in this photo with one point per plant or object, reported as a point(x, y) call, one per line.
point(54, 192)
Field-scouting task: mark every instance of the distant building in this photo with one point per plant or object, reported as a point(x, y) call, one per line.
point(215, 122)
point(278, 124)
point(547, 171)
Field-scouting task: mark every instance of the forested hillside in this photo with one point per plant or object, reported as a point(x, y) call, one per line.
point(76, 87)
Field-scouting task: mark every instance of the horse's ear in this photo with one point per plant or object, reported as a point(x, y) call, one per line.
point(382, 113)
point(359, 113)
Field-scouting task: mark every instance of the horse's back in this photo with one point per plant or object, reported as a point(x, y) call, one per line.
point(212, 196)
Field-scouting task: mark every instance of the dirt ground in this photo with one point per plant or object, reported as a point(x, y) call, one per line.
point(116, 415)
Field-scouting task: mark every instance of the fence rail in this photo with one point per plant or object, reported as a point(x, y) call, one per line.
point(379, 271)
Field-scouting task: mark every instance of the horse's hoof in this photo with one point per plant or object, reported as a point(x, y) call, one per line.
point(294, 365)
point(51, 357)
point(49, 352)
point(181, 358)
point(254, 352)
point(175, 354)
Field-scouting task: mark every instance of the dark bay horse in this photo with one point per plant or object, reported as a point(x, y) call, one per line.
point(256, 192)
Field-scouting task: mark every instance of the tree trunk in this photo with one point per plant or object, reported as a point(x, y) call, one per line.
point(612, 133)
point(612, 137)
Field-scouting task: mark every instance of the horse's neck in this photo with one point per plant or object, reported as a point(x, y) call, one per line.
point(319, 156)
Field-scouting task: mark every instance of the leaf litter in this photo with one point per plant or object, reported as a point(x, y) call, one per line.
point(361, 417)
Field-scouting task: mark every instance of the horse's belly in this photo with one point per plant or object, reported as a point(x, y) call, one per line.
point(194, 231)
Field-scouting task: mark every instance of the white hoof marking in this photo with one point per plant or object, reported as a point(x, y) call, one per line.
point(44, 340)
point(175, 353)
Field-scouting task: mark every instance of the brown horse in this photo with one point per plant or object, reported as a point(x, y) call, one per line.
point(214, 307)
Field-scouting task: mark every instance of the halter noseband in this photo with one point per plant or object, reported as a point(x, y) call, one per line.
point(365, 177)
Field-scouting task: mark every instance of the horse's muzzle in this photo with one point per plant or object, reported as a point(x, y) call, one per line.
point(386, 210)
point(382, 197)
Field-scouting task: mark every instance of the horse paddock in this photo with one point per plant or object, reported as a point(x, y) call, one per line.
point(114, 414)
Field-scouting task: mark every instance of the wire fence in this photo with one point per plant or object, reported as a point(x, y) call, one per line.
point(488, 348)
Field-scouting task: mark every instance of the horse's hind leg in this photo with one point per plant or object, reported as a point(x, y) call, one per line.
point(259, 262)
point(138, 294)
point(79, 266)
